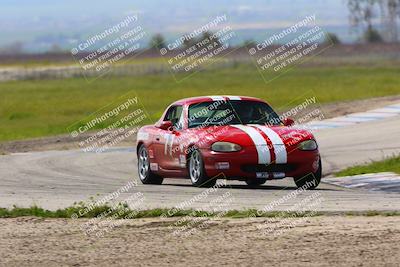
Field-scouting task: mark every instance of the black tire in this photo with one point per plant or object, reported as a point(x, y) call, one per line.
point(312, 180)
point(255, 182)
point(146, 176)
point(197, 172)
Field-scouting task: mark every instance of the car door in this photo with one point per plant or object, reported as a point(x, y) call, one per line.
point(179, 141)
point(167, 140)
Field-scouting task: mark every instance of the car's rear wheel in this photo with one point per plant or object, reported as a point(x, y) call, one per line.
point(197, 172)
point(311, 180)
point(146, 176)
point(255, 182)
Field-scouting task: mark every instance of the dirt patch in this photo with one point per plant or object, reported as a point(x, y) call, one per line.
point(64, 142)
point(59, 142)
point(342, 108)
point(317, 241)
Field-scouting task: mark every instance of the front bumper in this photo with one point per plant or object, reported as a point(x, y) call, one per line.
point(244, 164)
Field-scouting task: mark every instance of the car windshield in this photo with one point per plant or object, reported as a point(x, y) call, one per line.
point(231, 112)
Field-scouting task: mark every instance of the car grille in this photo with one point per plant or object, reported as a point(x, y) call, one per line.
point(251, 168)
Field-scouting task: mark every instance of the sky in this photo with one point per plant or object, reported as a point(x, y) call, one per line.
point(39, 23)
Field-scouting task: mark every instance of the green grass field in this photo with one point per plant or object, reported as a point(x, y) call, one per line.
point(387, 165)
point(47, 107)
point(123, 212)
point(69, 61)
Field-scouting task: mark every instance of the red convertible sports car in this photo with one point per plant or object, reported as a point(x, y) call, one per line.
point(231, 137)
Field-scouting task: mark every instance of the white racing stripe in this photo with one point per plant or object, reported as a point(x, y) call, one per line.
point(171, 144)
point(217, 98)
point(277, 143)
point(232, 97)
point(168, 143)
point(166, 136)
point(264, 156)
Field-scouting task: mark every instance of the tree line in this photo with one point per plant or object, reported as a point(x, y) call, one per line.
point(366, 14)
point(378, 21)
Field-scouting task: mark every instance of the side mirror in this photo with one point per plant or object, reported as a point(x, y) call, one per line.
point(165, 125)
point(288, 122)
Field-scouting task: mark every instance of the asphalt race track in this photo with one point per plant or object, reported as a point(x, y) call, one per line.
point(55, 179)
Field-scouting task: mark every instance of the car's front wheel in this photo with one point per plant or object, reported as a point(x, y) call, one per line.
point(197, 172)
point(146, 176)
point(311, 180)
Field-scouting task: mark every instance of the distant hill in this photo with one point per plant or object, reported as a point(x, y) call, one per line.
point(42, 24)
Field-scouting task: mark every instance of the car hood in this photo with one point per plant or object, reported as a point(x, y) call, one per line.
point(248, 135)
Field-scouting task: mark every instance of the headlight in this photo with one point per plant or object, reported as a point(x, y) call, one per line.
point(225, 147)
point(308, 145)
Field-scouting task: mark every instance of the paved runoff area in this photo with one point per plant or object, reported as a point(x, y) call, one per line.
point(360, 117)
point(384, 181)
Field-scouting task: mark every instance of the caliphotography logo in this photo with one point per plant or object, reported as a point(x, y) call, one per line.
point(110, 125)
point(278, 53)
point(101, 51)
point(203, 46)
